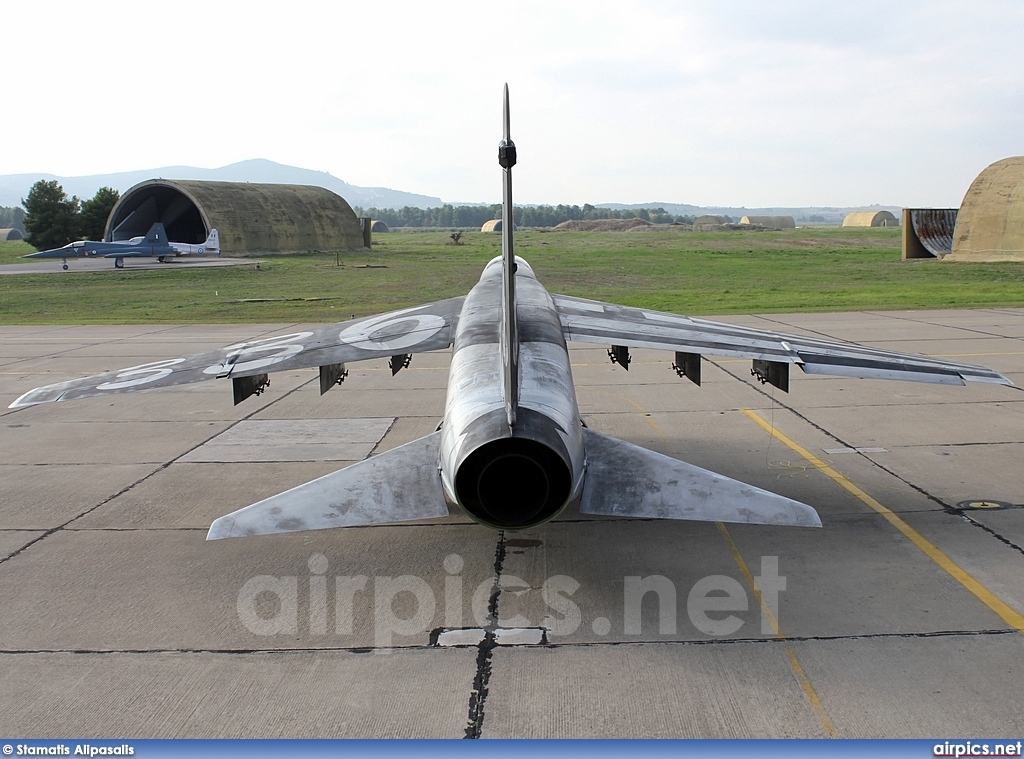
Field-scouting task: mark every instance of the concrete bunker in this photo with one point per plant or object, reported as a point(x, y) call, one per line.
point(775, 222)
point(248, 217)
point(870, 219)
point(708, 219)
point(990, 226)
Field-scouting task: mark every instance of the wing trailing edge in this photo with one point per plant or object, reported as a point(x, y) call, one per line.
point(591, 321)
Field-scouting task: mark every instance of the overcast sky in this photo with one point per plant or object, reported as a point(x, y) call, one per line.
point(785, 103)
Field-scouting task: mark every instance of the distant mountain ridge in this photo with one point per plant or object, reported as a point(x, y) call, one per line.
point(14, 187)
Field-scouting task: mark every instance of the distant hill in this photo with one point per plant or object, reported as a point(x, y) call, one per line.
point(802, 215)
point(14, 187)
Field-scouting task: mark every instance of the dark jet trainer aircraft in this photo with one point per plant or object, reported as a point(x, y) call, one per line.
point(511, 450)
point(154, 245)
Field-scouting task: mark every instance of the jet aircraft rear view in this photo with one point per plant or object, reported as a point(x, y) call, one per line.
point(511, 450)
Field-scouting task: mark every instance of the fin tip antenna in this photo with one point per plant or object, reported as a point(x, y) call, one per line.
point(507, 148)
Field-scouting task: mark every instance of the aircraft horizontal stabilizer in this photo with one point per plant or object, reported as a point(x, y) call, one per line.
point(398, 486)
point(625, 480)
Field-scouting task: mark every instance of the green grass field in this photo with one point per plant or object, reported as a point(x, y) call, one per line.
point(809, 269)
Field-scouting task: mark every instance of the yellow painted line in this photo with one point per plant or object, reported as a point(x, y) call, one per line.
point(794, 663)
point(1013, 618)
point(801, 676)
point(650, 419)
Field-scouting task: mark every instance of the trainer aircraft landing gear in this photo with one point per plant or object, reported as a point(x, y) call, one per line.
point(65, 266)
point(118, 263)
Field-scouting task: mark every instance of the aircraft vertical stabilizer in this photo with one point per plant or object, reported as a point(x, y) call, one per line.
point(156, 235)
point(509, 328)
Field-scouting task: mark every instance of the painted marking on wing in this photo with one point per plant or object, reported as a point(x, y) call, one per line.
point(391, 332)
point(794, 663)
point(983, 594)
point(140, 375)
point(285, 346)
point(654, 316)
point(568, 304)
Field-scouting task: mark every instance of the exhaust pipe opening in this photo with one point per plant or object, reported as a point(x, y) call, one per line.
point(513, 488)
point(513, 483)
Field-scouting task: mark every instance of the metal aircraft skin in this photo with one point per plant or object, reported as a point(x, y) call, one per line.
point(512, 450)
point(211, 247)
point(153, 245)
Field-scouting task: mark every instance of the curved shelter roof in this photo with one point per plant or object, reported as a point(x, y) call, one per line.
point(10, 233)
point(870, 219)
point(494, 225)
point(709, 219)
point(990, 226)
point(247, 217)
point(778, 222)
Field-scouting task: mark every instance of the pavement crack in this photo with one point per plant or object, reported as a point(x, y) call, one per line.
point(359, 650)
point(946, 507)
point(373, 450)
point(898, 317)
point(998, 536)
point(773, 641)
point(142, 479)
point(485, 649)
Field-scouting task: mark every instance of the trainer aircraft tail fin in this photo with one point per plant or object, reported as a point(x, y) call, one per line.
point(156, 235)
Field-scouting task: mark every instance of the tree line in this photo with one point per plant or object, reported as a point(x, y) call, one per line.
point(51, 219)
point(12, 218)
point(524, 216)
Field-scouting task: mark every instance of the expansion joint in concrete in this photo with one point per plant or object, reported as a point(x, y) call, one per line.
point(373, 450)
point(1001, 538)
point(770, 641)
point(946, 507)
point(142, 479)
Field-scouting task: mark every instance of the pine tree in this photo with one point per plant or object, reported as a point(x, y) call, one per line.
point(51, 217)
point(93, 219)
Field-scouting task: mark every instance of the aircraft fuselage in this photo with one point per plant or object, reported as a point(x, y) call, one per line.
point(543, 452)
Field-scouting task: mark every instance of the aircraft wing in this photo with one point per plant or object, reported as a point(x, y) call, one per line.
point(412, 330)
point(60, 253)
point(591, 321)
